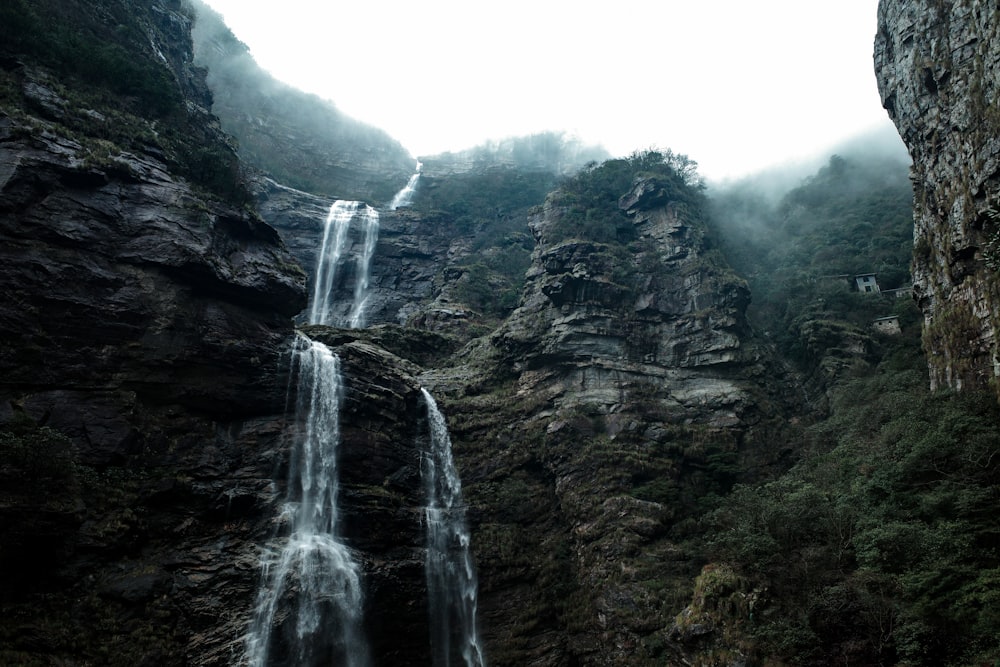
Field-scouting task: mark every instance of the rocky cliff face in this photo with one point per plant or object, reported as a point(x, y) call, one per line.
point(938, 64)
point(144, 367)
point(142, 424)
point(142, 345)
point(123, 275)
point(145, 317)
point(144, 358)
point(621, 389)
point(593, 322)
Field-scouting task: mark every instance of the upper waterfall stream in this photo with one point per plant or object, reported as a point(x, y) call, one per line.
point(334, 252)
point(335, 256)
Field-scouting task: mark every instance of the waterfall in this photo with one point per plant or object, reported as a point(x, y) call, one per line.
point(330, 251)
point(451, 577)
point(405, 196)
point(335, 245)
point(369, 226)
point(311, 593)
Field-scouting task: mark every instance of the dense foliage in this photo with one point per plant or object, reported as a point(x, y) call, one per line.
point(590, 198)
point(800, 253)
point(67, 38)
point(879, 546)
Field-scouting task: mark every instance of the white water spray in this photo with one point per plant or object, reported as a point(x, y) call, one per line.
point(370, 228)
point(332, 255)
point(451, 577)
point(311, 595)
point(405, 196)
point(338, 220)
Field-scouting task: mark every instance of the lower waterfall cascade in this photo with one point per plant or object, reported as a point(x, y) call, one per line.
point(314, 581)
point(452, 587)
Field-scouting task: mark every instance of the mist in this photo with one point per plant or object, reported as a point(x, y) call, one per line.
point(787, 230)
point(881, 145)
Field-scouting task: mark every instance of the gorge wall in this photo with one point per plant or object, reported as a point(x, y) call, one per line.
point(938, 67)
point(586, 426)
point(144, 370)
point(143, 350)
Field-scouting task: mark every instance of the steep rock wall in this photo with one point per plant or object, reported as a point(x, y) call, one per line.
point(593, 322)
point(938, 68)
point(144, 360)
point(141, 338)
point(586, 427)
point(145, 324)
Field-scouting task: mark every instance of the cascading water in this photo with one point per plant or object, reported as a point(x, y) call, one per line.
point(405, 196)
point(310, 603)
point(311, 595)
point(451, 577)
point(335, 245)
point(338, 220)
point(369, 226)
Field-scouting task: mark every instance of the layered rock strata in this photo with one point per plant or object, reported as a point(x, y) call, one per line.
point(593, 323)
point(624, 387)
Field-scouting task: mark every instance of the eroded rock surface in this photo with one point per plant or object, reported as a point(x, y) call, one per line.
point(625, 385)
point(938, 67)
point(123, 276)
point(595, 323)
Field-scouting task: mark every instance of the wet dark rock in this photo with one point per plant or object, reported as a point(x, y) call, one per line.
point(937, 65)
point(589, 421)
point(137, 283)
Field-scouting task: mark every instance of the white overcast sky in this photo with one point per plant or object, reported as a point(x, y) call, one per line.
point(737, 85)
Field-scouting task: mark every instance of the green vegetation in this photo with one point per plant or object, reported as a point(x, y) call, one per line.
point(491, 207)
point(879, 546)
point(66, 37)
point(487, 204)
point(98, 79)
point(800, 253)
point(590, 198)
